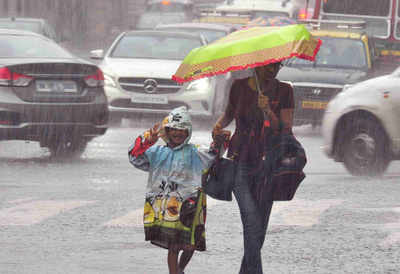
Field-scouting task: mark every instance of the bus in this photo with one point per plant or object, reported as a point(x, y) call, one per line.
point(382, 19)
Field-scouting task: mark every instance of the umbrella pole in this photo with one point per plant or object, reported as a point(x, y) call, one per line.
point(259, 91)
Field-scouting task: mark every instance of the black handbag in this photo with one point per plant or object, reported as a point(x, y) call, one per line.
point(283, 170)
point(219, 179)
point(285, 167)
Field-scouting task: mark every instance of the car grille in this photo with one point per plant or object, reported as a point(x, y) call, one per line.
point(126, 103)
point(149, 85)
point(315, 93)
point(311, 101)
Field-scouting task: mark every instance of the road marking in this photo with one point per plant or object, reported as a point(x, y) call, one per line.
point(391, 239)
point(391, 228)
point(19, 201)
point(300, 212)
point(135, 218)
point(31, 213)
point(293, 213)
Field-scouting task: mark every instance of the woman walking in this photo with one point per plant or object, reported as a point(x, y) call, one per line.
point(250, 109)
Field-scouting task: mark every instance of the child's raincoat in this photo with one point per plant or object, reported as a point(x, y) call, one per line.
point(175, 206)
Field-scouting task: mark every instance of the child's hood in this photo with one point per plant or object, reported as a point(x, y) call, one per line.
point(178, 118)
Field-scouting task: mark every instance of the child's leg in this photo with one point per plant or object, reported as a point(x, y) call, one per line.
point(185, 259)
point(173, 260)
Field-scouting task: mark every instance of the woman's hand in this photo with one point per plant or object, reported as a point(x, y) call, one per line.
point(263, 103)
point(217, 130)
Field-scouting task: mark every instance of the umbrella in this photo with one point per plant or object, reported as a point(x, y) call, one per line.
point(249, 48)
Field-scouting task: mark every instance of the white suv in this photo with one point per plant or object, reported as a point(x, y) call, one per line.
point(361, 125)
point(138, 69)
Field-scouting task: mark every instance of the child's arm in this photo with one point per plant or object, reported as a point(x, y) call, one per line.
point(136, 152)
point(216, 150)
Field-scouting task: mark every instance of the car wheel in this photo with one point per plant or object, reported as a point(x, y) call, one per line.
point(365, 146)
point(67, 147)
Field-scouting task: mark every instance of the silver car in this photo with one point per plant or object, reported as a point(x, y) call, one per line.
point(138, 69)
point(48, 95)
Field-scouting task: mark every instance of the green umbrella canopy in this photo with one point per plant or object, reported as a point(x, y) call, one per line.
point(248, 48)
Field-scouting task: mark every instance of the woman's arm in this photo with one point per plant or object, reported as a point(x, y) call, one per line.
point(224, 120)
point(287, 109)
point(287, 120)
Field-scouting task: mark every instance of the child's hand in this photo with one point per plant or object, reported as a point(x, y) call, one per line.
point(154, 133)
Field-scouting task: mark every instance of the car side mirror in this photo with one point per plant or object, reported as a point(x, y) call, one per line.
point(97, 54)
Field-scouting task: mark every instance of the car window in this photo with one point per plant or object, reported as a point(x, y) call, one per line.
point(337, 52)
point(50, 32)
point(154, 47)
point(210, 35)
point(151, 20)
point(269, 14)
point(22, 46)
point(31, 26)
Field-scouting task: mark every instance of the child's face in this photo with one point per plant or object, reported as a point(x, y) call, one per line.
point(177, 136)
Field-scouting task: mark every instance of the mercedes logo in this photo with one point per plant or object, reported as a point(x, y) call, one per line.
point(317, 91)
point(150, 85)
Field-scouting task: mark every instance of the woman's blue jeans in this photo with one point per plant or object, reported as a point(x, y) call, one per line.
point(254, 220)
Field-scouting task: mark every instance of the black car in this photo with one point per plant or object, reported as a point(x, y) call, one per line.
point(48, 95)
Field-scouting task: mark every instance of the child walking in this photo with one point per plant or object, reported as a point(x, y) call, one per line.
point(175, 206)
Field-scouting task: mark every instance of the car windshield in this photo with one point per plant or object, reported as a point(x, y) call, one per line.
point(337, 53)
point(21, 46)
point(151, 20)
point(269, 14)
point(31, 26)
point(209, 34)
point(154, 47)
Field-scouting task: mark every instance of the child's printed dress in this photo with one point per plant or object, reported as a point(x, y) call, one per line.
point(175, 206)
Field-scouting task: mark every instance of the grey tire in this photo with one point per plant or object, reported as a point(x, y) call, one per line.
point(365, 148)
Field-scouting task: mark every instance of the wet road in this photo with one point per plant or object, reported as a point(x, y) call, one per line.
point(84, 216)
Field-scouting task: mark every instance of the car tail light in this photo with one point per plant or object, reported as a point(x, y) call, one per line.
point(95, 80)
point(302, 14)
point(8, 78)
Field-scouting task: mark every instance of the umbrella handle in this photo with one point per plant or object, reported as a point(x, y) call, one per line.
point(259, 91)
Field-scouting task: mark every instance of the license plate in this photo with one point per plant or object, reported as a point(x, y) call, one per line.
point(56, 86)
point(314, 104)
point(150, 99)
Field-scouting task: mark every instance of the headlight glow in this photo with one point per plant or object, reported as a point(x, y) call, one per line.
point(200, 84)
point(109, 81)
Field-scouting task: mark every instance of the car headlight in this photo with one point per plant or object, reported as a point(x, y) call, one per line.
point(346, 87)
point(200, 84)
point(109, 81)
